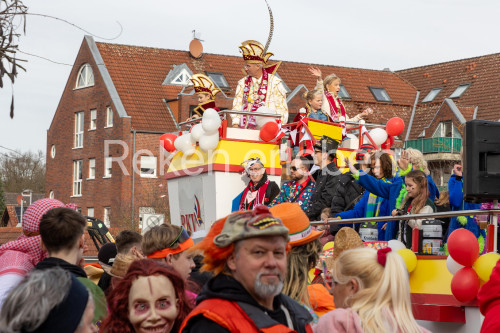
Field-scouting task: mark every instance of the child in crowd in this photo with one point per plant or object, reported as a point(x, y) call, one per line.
point(371, 294)
point(416, 202)
point(413, 159)
point(332, 106)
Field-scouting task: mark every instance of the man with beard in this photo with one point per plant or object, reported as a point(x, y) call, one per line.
point(247, 253)
point(301, 187)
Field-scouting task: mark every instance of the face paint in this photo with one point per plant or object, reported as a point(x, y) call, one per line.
point(152, 304)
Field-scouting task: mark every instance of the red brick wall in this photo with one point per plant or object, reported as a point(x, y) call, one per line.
point(114, 192)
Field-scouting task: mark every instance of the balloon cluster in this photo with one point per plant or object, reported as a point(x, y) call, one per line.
point(206, 134)
point(408, 255)
point(384, 138)
point(466, 266)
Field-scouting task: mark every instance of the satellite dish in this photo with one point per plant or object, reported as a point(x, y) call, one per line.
point(195, 48)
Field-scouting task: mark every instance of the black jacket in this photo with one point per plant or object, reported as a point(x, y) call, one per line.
point(52, 262)
point(226, 287)
point(326, 186)
point(348, 193)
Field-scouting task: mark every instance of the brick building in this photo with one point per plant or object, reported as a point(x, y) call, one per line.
point(450, 94)
point(119, 99)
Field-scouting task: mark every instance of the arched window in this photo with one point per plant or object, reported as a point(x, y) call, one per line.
point(85, 77)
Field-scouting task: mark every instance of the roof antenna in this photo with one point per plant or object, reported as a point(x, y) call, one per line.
point(197, 36)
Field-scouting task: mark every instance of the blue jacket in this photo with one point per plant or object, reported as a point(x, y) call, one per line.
point(455, 188)
point(359, 210)
point(433, 189)
point(387, 190)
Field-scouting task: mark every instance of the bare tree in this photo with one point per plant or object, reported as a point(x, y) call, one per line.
point(20, 171)
point(12, 17)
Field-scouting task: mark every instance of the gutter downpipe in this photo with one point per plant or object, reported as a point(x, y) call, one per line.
point(133, 180)
point(412, 115)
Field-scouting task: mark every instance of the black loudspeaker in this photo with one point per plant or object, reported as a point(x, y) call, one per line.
point(481, 161)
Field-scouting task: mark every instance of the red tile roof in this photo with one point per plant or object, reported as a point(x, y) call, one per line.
point(482, 72)
point(138, 74)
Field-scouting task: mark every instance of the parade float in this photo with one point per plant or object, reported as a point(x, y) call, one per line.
point(205, 175)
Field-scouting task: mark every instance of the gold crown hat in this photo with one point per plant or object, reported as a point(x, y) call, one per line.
point(254, 52)
point(203, 84)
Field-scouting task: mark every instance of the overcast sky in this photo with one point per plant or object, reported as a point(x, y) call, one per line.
point(393, 34)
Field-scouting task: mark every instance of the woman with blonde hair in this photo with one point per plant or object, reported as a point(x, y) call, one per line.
point(332, 106)
point(371, 293)
point(413, 159)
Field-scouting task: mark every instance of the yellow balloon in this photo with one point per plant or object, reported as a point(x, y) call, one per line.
point(328, 246)
point(409, 258)
point(484, 265)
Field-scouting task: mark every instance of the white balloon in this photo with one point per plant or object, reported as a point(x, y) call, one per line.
point(183, 143)
point(453, 266)
point(209, 141)
point(396, 245)
point(261, 121)
point(379, 135)
point(210, 113)
point(196, 132)
point(211, 121)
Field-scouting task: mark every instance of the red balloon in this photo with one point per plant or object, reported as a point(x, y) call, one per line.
point(167, 141)
point(463, 247)
point(269, 131)
point(465, 284)
point(395, 126)
point(388, 143)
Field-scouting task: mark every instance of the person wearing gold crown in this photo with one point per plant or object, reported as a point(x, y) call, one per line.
point(206, 90)
point(259, 88)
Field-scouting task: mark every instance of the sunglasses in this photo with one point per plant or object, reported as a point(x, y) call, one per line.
point(181, 238)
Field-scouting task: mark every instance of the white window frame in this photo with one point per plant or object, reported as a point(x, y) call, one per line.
point(77, 178)
point(148, 163)
point(217, 76)
point(343, 93)
point(106, 215)
point(87, 77)
point(381, 90)
point(432, 95)
point(93, 120)
point(109, 117)
point(90, 211)
point(78, 139)
point(91, 168)
point(107, 167)
point(182, 79)
point(461, 89)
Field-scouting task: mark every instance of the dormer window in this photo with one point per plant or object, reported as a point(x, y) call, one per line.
point(432, 95)
point(179, 76)
point(460, 90)
point(85, 77)
point(219, 79)
point(343, 92)
point(380, 94)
